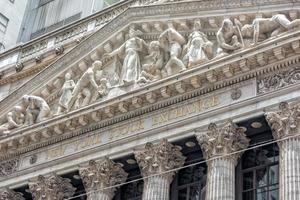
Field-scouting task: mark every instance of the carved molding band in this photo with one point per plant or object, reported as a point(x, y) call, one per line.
point(278, 80)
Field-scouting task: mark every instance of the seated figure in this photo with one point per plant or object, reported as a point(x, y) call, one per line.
point(153, 64)
point(14, 119)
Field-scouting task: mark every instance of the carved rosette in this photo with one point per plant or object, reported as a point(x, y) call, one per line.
point(103, 174)
point(8, 194)
point(156, 159)
point(285, 121)
point(53, 187)
point(222, 141)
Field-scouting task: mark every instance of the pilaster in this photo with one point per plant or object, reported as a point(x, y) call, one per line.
point(218, 146)
point(285, 128)
point(155, 161)
point(98, 177)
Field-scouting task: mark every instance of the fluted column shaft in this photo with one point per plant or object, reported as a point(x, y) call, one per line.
point(156, 188)
point(221, 176)
point(99, 195)
point(285, 127)
point(219, 146)
point(289, 163)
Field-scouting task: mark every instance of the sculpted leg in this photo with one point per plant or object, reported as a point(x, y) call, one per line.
point(87, 96)
point(43, 114)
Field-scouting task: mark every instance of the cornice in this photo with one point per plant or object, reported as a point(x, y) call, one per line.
point(216, 74)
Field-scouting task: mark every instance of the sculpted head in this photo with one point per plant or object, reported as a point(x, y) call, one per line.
point(97, 64)
point(18, 109)
point(132, 32)
point(25, 99)
point(227, 25)
point(154, 46)
point(67, 76)
point(197, 25)
point(247, 30)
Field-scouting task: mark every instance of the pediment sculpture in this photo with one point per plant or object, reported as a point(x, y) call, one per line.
point(137, 61)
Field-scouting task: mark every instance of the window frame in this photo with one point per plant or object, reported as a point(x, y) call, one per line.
point(2, 24)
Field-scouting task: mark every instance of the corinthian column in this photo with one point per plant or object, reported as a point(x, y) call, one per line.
point(216, 144)
point(100, 177)
point(286, 128)
point(153, 161)
point(7, 194)
point(52, 187)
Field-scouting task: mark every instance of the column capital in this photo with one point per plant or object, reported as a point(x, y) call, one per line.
point(223, 140)
point(51, 187)
point(285, 121)
point(155, 159)
point(8, 194)
point(102, 174)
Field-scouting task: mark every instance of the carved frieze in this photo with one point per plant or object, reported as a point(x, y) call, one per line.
point(8, 167)
point(8, 194)
point(52, 187)
point(99, 175)
point(285, 121)
point(221, 141)
point(159, 158)
point(278, 80)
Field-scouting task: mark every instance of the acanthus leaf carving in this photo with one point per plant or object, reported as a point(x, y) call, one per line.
point(8, 194)
point(222, 141)
point(103, 174)
point(8, 167)
point(52, 187)
point(156, 159)
point(285, 121)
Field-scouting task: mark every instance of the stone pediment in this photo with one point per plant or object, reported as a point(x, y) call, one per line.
point(130, 43)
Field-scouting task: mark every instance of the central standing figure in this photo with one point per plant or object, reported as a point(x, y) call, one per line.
point(130, 49)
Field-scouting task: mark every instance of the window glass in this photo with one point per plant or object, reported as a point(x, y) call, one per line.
point(260, 174)
point(3, 23)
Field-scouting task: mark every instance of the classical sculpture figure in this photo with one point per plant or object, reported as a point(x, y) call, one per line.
point(131, 65)
point(227, 38)
point(198, 49)
point(153, 64)
point(262, 28)
point(85, 86)
point(171, 41)
point(37, 109)
point(14, 119)
point(67, 89)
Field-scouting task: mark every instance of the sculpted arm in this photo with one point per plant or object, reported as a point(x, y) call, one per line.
point(10, 120)
point(222, 42)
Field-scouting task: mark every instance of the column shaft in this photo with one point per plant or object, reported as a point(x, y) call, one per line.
point(221, 176)
point(156, 188)
point(98, 196)
point(290, 169)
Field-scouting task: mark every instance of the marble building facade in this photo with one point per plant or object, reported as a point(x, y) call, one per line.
point(157, 100)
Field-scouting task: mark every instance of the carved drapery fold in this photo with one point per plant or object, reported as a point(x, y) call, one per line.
point(219, 146)
point(8, 194)
point(53, 187)
point(100, 175)
point(154, 161)
point(285, 126)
